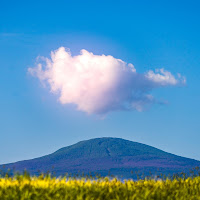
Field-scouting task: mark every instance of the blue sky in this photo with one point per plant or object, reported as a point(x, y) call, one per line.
point(149, 34)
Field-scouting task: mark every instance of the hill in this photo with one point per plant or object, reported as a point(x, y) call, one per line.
point(103, 155)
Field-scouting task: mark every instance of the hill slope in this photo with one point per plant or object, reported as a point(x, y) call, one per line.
point(101, 155)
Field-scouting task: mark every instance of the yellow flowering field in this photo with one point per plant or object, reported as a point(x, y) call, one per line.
point(23, 187)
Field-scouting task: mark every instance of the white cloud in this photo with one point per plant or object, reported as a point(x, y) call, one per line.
point(163, 77)
point(98, 84)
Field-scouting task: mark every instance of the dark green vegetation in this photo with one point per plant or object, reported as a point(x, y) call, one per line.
point(107, 155)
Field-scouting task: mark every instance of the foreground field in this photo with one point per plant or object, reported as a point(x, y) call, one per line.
point(46, 188)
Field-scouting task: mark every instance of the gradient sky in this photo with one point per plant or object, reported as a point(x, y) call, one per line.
point(149, 34)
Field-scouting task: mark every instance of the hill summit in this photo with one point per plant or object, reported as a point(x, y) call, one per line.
point(107, 155)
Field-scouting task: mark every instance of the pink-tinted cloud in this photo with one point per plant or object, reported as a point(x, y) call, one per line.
point(98, 84)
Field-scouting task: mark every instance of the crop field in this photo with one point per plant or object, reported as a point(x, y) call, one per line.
point(23, 187)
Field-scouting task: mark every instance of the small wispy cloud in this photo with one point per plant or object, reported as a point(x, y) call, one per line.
point(7, 34)
point(98, 84)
